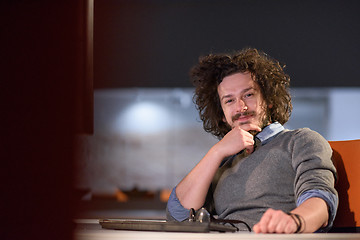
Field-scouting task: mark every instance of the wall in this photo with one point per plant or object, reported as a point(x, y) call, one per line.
point(344, 114)
point(154, 43)
point(151, 138)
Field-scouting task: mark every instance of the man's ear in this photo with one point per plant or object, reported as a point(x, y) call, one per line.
point(224, 119)
point(270, 105)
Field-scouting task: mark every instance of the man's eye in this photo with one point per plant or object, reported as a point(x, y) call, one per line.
point(249, 95)
point(228, 101)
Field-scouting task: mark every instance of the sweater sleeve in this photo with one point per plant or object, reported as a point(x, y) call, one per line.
point(315, 173)
point(312, 163)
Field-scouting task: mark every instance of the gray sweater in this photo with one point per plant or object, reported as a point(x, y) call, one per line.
point(273, 176)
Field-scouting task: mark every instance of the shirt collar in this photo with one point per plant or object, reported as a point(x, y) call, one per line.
point(269, 132)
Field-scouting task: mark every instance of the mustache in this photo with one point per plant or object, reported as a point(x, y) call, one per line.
point(238, 115)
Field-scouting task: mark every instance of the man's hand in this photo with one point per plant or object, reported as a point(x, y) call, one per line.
point(238, 139)
point(275, 221)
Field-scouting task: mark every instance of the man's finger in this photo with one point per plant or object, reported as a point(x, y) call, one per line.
point(249, 149)
point(249, 127)
point(264, 222)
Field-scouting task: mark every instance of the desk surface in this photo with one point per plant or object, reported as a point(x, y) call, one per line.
point(91, 230)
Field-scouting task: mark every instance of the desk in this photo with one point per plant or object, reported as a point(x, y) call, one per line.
point(91, 230)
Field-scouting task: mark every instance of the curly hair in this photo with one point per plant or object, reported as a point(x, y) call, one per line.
point(265, 71)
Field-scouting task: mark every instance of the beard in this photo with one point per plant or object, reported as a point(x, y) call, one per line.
point(264, 120)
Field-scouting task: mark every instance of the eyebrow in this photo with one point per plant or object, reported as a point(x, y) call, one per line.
point(243, 91)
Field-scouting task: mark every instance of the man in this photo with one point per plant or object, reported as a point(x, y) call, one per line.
point(275, 180)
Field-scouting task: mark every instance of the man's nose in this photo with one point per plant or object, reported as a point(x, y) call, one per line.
point(241, 105)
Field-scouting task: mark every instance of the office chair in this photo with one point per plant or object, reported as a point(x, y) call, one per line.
point(346, 158)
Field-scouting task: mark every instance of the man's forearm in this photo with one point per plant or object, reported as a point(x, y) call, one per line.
point(312, 215)
point(315, 214)
point(192, 190)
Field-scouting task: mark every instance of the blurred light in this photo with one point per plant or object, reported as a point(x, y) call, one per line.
point(143, 118)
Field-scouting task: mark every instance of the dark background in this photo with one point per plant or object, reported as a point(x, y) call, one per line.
point(41, 95)
point(154, 43)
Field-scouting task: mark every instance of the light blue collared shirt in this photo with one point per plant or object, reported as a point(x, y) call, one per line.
point(269, 132)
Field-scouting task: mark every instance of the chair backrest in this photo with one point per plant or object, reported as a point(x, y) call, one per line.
point(346, 158)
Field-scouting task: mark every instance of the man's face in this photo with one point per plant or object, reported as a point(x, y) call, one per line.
point(242, 101)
